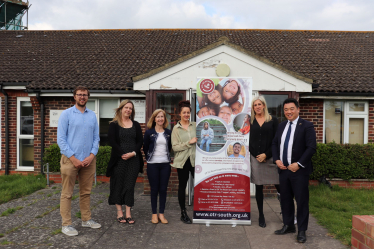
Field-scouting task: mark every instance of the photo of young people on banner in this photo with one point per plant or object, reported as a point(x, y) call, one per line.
point(226, 100)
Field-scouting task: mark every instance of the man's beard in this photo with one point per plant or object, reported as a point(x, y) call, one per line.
point(81, 105)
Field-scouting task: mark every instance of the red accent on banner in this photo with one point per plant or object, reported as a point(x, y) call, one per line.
point(223, 193)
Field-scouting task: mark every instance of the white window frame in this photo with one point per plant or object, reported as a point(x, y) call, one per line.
point(21, 136)
point(96, 111)
point(347, 115)
point(351, 114)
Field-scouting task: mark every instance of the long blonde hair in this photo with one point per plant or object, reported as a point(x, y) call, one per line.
point(266, 112)
point(151, 122)
point(118, 112)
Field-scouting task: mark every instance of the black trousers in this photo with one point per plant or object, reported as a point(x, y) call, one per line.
point(183, 175)
point(158, 176)
point(295, 184)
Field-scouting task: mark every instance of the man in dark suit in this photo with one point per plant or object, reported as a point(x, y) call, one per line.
point(293, 147)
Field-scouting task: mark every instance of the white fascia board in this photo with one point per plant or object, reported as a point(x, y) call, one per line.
point(97, 95)
point(14, 87)
point(183, 75)
point(335, 97)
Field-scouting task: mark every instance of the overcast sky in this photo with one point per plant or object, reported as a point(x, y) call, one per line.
point(233, 14)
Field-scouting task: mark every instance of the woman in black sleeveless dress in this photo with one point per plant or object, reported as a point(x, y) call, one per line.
point(125, 137)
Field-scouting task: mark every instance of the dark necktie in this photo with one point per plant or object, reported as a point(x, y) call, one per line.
point(285, 146)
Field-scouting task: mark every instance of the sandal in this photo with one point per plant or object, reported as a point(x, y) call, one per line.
point(121, 219)
point(128, 219)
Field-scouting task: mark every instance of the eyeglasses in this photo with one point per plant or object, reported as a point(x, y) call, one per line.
point(82, 95)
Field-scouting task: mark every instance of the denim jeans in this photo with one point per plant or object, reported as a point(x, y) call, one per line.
point(207, 142)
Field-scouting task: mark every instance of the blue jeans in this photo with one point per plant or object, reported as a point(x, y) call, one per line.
point(158, 176)
point(207, 141)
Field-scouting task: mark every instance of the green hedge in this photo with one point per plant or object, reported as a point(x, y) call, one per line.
point(348, 161)
point(52, 156)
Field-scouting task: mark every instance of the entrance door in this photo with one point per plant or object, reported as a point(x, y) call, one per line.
point(168, 101)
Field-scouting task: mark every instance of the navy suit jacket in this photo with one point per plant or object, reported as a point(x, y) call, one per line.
point(304, 145)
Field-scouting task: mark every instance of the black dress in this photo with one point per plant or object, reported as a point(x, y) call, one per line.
point(125, 172)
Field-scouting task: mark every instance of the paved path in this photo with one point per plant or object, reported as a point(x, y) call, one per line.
point(38, 223)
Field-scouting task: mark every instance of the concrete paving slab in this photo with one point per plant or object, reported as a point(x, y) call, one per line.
point(224, 241)
point(174, 240)
point(24, 230)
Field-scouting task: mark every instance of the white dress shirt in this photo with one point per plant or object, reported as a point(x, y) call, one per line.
point(290, 143)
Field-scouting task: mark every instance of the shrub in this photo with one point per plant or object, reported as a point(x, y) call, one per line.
point(52, 155)
point(346, 161)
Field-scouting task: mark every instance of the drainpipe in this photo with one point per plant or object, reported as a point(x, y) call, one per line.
point(6, 131)
point(38, 97)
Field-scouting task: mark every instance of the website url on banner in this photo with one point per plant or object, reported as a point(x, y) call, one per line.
point(222, 215)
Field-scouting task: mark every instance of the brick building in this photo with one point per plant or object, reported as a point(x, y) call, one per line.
point(330, 72)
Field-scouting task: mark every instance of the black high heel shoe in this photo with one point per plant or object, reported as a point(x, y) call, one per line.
point(184, 217)
point(261, 222)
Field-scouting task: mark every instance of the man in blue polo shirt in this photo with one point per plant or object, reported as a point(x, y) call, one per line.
point(78, 139)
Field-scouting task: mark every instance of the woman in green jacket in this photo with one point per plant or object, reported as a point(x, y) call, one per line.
point(183, 140)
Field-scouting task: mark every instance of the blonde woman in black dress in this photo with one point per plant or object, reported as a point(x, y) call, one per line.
point(126, 161)
point(263, 170)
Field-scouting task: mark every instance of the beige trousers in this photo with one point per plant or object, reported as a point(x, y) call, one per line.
point(69, 175)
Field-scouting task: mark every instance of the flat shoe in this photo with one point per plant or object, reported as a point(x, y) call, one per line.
point(154, 221)
point(286, 229)
point(163, 221)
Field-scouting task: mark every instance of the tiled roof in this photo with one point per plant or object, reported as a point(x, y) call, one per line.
point(338, 61)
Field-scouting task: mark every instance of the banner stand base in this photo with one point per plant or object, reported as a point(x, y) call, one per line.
point(223, 222)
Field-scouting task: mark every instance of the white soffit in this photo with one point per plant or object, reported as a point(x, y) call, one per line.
point(183, 75)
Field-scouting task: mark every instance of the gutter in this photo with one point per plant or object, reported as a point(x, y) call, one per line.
point(91, 91)
point(336, 94)
point(38, 97)
point(6, 131)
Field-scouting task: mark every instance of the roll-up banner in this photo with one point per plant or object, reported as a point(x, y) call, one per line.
point(222, 167)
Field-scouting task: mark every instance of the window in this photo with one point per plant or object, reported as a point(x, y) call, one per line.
point(106, 114)
point(275, 105)
point(346, 121)
point(25, 134)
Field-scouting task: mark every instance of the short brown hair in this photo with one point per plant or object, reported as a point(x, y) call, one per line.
point(81, 88)
point(151, 122)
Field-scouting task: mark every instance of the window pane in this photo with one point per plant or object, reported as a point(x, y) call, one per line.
point(169, 103)
point(91, 105)
point(334, 121)
point(104, 128)
point(27, 118)
point(107, 107)
point(356, 107)
point(26, 152)
point(275, 105)
point(356, 131)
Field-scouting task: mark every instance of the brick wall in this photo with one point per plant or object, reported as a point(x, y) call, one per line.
point(362, 232)
point(312, 110)
point(50, 133)
point(371, 122)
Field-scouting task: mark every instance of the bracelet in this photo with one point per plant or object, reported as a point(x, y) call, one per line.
point(134, 153)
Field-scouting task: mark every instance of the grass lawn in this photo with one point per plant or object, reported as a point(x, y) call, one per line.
point(16, 186)
point(335, 207)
